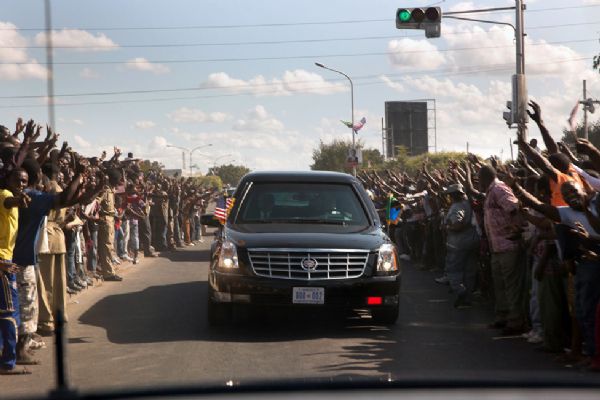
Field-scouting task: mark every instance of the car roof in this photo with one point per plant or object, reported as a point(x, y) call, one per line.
point(299, 176)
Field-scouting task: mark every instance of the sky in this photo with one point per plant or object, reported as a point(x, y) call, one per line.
point(240, 75)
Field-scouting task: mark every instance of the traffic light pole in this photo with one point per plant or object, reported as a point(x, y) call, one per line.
point(519, 85)
point(520, 60)
point(585, 111)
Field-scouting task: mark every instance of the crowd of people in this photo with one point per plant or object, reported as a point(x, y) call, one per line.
point(68, 221)
point(524, 234)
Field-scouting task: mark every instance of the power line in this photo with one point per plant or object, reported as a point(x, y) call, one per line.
point(276, 42)
point(468, 70)
point(275, 25)
point(272, 58)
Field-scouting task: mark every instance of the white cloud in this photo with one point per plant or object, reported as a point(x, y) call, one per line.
point(88, 73)
point(10, 37)
point(591, 2)
point(494, 48)
point(145, 124)
point(142, 64)
point(80, 40)
point(397, 86)
point(185, 114)
point(296, 81)
point(419, 54)
point(81, 142)
point(78, 122)
point(258, 120)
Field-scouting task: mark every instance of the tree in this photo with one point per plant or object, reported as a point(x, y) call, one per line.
point(147, 165)
point(411, 164)
point(593, 134)
point(230, 174)
point(332, 156)
point(209, 181)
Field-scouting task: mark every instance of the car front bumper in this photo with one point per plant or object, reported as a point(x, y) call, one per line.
point(342, 293)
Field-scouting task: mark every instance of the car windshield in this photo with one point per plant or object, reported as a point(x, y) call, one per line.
point(247, 191)
point(301, 203)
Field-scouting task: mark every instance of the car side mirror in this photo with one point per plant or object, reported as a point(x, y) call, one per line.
point(209, 220)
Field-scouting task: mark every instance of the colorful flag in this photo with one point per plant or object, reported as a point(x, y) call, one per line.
point(221, 210)
point(392, 213)
point(572, 122)
point(229, 204)
point(357, 125)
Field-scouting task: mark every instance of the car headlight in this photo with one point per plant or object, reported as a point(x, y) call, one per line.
point(387, 262)
point(229, 257)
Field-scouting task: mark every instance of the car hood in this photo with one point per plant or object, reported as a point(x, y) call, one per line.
point(248, 236)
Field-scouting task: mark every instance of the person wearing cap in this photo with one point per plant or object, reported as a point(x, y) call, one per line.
point(462, 242)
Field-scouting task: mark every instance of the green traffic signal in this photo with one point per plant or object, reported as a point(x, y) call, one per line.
point(404, 15)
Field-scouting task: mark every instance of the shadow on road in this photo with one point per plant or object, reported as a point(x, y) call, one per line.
point(187, 255)
point(430, 334)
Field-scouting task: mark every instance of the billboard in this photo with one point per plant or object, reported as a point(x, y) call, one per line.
point(406, 123)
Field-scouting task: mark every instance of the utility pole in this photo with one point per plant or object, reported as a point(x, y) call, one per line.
point(519, 84)
point(382, 139)
point(585, 111)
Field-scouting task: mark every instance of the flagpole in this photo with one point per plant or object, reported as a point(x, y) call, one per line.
point(352, 105)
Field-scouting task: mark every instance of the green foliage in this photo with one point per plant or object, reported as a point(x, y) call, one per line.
point(411, 164)
point(147, 165)
point(209, 181)
point(593, 134)
point(230, 174)
point(332, 156)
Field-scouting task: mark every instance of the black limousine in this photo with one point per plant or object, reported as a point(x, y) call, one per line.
point(302, 239)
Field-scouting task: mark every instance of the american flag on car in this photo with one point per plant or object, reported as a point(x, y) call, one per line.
point(223, 207)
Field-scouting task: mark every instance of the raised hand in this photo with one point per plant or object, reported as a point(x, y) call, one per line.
point(29, 130)
point(49, 133)
point(536, 114)
point(585, 147)
point(19, 126)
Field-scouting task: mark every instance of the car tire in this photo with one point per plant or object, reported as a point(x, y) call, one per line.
point(218, 314)
point(385, 316)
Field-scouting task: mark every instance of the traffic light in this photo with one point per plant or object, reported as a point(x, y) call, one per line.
point(588, 105)
point(428, 19)
point(508, 115)
point(517, 108)
point(520, 99)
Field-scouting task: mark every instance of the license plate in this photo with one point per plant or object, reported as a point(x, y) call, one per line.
point(308, 295)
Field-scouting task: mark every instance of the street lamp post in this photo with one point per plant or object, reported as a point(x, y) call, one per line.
point(192, 152)
point(214, 159)
point(183, 150)
point(352, 105)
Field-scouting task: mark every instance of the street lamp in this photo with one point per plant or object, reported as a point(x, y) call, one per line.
point(215, 159)
point(352, 105)
point(192, 152)
point(183, 150)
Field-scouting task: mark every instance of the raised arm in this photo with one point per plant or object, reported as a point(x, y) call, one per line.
point(536, 115)
point(536, 157)
point(530, 200)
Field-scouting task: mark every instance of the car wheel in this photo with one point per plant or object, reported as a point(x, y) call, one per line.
point(386, 316)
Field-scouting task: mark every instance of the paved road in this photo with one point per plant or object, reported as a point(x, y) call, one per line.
point(151, 329)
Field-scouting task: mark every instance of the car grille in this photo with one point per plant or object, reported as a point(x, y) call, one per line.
point(288, 263)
